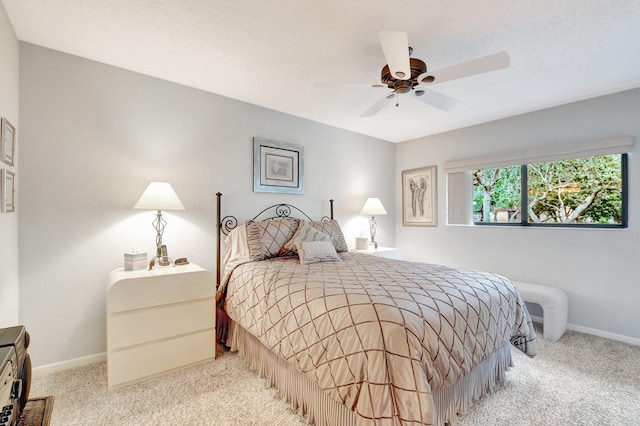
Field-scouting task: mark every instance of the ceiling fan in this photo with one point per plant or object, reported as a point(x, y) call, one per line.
point(404, 74)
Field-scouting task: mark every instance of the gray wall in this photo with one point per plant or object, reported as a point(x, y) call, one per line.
point(93, 136)
point(9, 78)
point(597, 268)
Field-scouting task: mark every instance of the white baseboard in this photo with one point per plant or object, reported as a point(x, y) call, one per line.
point(595, 332)
point(606, 334)
point(66, 365)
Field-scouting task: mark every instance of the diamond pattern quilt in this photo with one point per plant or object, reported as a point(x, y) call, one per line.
point(378, 334)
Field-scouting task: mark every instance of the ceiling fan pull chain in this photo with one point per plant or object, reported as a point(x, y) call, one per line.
point(397, 101)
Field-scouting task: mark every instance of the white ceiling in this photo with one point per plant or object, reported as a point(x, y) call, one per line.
point(271, 52)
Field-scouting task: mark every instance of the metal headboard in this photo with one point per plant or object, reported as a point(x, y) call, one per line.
point(228, 223)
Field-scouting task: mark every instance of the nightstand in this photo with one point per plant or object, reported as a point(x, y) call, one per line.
point(388, 252)
point(158, 321)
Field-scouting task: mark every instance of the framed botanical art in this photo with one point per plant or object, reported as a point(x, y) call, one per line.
point(8, 139)
point(419, 197)
point(277, 167)
point(7, 191)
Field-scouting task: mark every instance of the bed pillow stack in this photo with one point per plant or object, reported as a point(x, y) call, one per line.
point(318, 242)
point(281, 237)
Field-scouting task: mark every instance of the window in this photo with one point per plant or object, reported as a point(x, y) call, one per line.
point(584, 191)
point(497, 195)
point(580, 185)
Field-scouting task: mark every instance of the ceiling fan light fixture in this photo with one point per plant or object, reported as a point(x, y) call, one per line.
point(403, 86)
point(418, 67)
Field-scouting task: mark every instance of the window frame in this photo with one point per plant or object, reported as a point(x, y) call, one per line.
point(524, 194)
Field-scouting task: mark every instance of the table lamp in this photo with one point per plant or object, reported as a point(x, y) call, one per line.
point(372, 207)
point(159, 196)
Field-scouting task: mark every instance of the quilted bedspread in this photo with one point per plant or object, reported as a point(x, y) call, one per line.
point(378, 334)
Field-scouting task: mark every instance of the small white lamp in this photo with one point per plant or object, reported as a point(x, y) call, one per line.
point(159, 196)
point(372, 207)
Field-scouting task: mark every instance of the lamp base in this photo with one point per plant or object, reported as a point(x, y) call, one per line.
point(372, 229)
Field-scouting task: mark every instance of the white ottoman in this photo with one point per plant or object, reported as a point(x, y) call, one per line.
point(554, 304)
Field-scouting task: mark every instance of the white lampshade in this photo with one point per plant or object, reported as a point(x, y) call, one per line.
point(159, 196)
point(373, 207)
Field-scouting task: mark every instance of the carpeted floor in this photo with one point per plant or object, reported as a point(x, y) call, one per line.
point(579, 380)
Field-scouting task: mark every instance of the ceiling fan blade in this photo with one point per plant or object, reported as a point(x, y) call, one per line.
point(395, 45)
point(480, 65)
point(334, 84)
point(434, 99)
point(377, 107)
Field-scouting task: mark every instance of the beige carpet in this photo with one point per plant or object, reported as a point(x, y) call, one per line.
point(580, 380)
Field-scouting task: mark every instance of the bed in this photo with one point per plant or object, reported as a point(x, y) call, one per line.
point(353, 339)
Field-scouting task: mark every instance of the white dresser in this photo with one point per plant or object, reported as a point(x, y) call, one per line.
point(158, 321)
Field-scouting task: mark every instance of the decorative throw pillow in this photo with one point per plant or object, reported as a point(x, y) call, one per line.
point(332, 229)
point(316, 251)
point(267, 238)
point(254, 243)
point(305, 232)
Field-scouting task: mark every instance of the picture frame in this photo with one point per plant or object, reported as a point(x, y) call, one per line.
point(419, 197)
point(278, 167)
point(8, 139)
point(7, 191)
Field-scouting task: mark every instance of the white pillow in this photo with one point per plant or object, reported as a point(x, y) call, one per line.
point(316, 251)
point(237, 250)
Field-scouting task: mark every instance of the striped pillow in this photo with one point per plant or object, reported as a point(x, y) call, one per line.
point(316, 251)
point(332, 229)
point(305, 232)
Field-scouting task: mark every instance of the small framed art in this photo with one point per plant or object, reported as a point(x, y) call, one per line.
point(277, 167)
point(419, 200)
point(8, 138)
point(7, 191)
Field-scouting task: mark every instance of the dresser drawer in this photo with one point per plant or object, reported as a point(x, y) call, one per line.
point(145, 289)
point(130, 365)
point(147, 325)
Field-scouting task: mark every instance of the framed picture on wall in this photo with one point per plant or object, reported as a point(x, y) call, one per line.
point(8, 138)
point(7, 191)
point(419, 198)
point(277, 167)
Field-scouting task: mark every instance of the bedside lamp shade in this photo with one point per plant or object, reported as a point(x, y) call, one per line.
point(373, 206)
point(159, 196)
